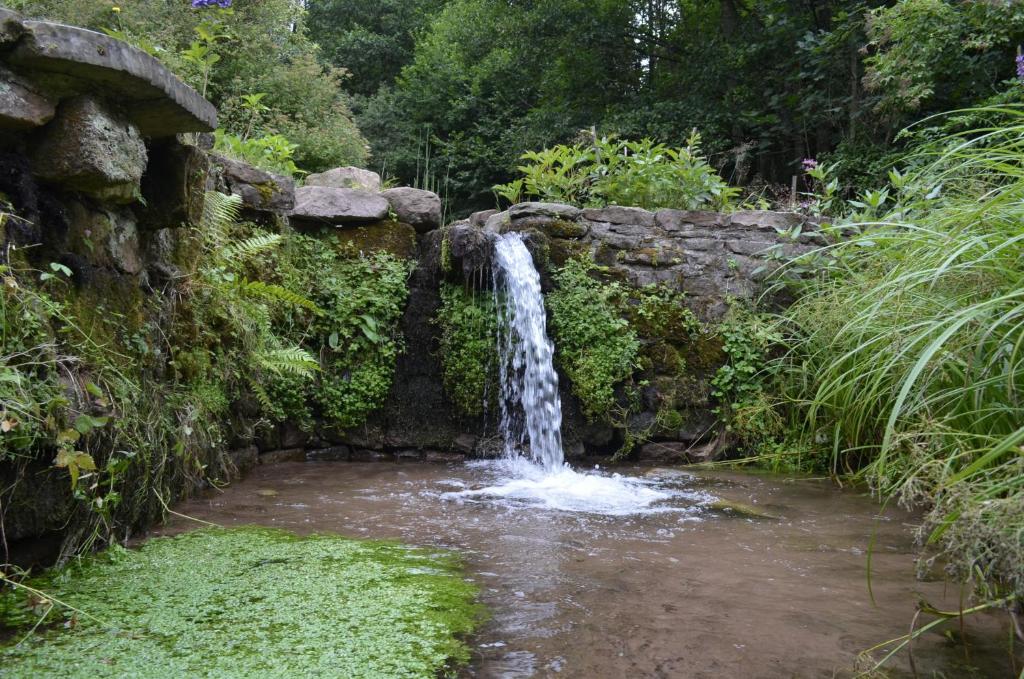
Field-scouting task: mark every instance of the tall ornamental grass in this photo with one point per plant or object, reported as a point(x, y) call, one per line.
point(905, 360)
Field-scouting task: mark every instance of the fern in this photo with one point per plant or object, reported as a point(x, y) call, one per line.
point(245, 249)
point(277, 293)
point(289, 360)
point(262, 397)
point(220, 211)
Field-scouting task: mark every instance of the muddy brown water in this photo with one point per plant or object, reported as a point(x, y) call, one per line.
point(691, 591)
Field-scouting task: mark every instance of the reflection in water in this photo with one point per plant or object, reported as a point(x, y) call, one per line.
point(694, 589)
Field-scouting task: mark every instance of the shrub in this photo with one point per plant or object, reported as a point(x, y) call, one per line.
point(907, 358)
point(608, 171)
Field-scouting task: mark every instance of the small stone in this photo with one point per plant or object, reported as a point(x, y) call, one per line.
point(260, 190)
point(421, 209)
point(479, 219)
point(330, 205)
point(465, 443)
point(346, 178)
point(279, 456)
point(331, 454)
point(683, 220)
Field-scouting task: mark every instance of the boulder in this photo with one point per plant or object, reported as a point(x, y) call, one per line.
point(555, 210)
point(21, 107)
point(259, 189)
point(75, 60)
point(421, 209)
point(91, 148)
point(346, 178)
point(330, 205)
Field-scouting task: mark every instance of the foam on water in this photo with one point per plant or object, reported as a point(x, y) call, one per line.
point(519, 483)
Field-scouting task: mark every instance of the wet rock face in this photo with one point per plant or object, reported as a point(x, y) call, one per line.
point(708, 255)
point(93, 148)
point(21, 106)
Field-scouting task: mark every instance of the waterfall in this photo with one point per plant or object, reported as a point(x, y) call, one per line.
point(531, 412)
point(534, 472)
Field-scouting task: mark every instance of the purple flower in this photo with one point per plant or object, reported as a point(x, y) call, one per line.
point(1020, 67)
point(809, 164)
point(223, 4)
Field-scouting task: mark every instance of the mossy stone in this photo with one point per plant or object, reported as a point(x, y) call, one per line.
point(388, 236)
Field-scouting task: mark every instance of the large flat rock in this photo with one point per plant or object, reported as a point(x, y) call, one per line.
point(75, 60)
point(329, 205)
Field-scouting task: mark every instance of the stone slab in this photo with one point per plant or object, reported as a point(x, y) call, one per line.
point(157, 102)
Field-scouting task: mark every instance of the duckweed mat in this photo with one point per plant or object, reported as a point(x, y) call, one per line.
point(248, 602)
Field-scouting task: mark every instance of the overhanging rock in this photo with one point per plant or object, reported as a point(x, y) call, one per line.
point(66, 61)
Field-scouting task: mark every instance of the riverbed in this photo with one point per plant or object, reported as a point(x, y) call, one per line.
point(723, 575)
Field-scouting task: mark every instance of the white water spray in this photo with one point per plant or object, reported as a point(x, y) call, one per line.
point(531, 411)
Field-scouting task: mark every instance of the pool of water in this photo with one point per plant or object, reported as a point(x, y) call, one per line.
point(704, 574)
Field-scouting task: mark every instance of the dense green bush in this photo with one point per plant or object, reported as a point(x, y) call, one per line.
point(356, 335)
point(596, 348)
point(469, 337)
point(610, 172)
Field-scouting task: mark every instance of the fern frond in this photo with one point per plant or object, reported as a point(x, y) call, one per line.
point(262, 397)
point(290, 360)
point(220, 211)
point(244, 249)
point(277, 293)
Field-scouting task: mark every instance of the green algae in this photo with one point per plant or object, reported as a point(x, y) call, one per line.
point(249, 602)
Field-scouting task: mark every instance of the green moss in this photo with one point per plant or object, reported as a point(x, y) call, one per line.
point(249, 602)
point(391, 237)
point(468, 323)
point(596, 347)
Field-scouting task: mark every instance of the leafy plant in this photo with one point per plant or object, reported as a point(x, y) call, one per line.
point(640, 173)
point(468, 323)
point(595, 345)
point(271, 152)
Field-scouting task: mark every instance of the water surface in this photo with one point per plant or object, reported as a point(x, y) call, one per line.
point(673, 586)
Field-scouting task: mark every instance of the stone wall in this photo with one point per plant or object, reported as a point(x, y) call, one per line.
point(102, 156)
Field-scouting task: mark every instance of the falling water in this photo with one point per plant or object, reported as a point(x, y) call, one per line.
point(534, 472)
point(531, 412)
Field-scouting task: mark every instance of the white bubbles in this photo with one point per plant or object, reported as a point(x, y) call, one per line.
point(519, 483)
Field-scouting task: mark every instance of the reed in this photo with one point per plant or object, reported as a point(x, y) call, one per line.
point(906, 358)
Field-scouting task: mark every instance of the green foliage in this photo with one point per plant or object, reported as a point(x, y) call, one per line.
point(363, 609)
point(469, 326)
point(356, 334)
point(740, 385)
point(609, 172)
point(596, 348)
point(271, 152)
point(905, 360)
